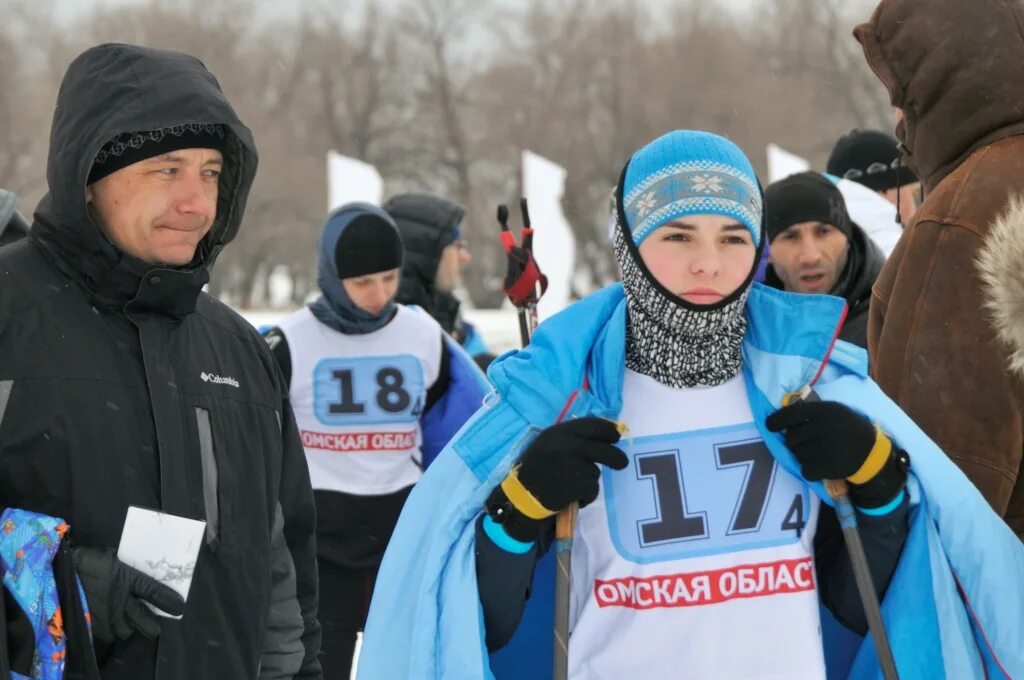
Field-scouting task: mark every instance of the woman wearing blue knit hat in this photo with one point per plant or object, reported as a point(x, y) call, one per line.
point(705, 543)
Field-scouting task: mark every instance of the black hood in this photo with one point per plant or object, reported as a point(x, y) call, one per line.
point(863, 264)
point(113, 89)
point(428, 225)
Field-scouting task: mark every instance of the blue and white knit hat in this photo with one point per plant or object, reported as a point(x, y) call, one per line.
point(688, 172)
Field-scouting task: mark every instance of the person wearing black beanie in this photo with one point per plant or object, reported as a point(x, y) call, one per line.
point(817, 248)
point(130, 385)
point(873, 158)
point(378, 388)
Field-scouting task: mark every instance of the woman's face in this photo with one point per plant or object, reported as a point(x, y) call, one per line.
point(700, 258)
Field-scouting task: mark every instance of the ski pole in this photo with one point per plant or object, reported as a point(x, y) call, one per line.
point(524, 286)
point(524, 283)
point(839, 493)
point(565, 528)
point(531, 311)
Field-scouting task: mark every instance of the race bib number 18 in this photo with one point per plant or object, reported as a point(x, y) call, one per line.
point(702, 493)
point(368, 391)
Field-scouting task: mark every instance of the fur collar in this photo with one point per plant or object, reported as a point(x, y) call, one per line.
point(1001, 266)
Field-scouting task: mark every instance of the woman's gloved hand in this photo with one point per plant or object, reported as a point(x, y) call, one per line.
point(558, 468)
point(832, 441)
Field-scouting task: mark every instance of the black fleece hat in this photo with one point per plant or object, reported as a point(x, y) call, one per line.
point(805, 197)
point(368, 244)
point(870, 158)
point(132, 147)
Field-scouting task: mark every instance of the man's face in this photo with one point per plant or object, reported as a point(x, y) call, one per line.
point(908, 197)
point(159, 209)
point(809, 257)
point(453, 259)
point(372, 292)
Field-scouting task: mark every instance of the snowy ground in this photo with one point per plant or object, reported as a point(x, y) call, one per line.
point(499, 327)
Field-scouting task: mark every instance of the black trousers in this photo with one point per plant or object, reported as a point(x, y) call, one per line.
point(352, 534)
point(344, 603)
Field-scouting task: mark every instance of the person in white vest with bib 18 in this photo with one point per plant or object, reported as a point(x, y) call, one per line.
point(378, 389)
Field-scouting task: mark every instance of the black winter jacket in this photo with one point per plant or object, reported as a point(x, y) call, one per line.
point(121, 383)
point(427, 224)
point(863, 264)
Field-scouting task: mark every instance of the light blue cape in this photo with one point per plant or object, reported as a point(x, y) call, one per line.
point(954, 608)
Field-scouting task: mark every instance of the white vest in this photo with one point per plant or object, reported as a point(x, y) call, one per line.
point(696, 561)
point(358, 399)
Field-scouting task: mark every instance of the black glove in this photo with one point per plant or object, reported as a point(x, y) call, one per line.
point(558, 468)
point(115, 592)
point(832, 441)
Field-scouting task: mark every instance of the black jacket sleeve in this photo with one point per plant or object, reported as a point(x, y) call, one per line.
point(883, 539)
point(299, 512)
point(504, 581)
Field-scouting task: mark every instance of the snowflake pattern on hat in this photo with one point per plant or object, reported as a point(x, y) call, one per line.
point(693, 188)
point(706, 183)
point(646, 204)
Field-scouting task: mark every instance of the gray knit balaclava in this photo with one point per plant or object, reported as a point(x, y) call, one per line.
point(677, 343)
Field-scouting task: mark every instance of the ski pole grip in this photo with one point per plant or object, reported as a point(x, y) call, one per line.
point(836, 488)
point(565, 522)
point(525, 210)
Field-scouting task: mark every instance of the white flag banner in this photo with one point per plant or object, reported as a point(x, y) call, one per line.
point(782, 164)
point(554, 244)
point(349, 180)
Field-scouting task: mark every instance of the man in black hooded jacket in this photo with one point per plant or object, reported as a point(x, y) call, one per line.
point(435, 254)
point(817, 248)
point(123, 384)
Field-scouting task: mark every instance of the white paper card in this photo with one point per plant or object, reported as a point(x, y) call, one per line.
point(163, 546)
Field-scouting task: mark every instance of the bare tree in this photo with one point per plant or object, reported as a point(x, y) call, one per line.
point(443, 95)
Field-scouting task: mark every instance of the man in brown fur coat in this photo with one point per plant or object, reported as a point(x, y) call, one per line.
point(944, 339)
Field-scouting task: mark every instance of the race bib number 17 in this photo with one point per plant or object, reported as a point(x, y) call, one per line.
point(702, 493)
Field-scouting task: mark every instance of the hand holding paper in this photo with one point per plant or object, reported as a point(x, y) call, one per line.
point(115, 593)
point(165, 547)
point(153, 567)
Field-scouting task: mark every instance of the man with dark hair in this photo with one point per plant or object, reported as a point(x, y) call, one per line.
point(873, 158)
point(123, 384)
point(817, 248)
